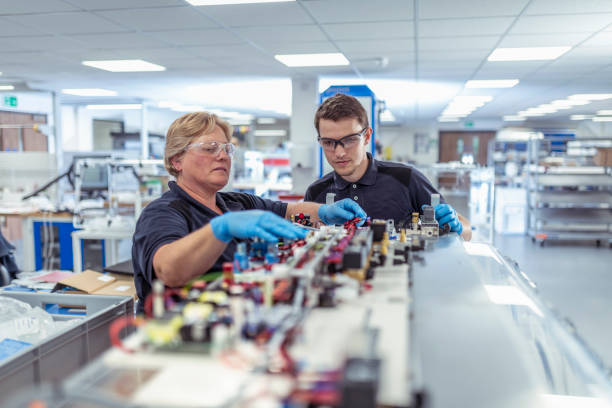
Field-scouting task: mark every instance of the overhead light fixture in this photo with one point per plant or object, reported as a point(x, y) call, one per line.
point(571, 401)
point(116, 106)
point(527, 53)
point(602, 119)
point(590, 97)
point(226, 2)
point(89, 92)
point(529, 114)
point(132, 65)
point(187, 108)
point(167, 104)
point(270, 132)
point(581, 117)
point(448, 119)
point(491, 83)
point(313, 60)
point(6, 87)
point(266, 121)
point(514, 118)
point(605, 112)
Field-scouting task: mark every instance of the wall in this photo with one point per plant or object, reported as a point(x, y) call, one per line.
point(402, 139)
point(77, 123)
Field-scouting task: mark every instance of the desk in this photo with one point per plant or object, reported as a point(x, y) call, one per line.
point(111, 238)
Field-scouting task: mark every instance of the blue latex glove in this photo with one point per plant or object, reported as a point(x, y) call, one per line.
point(341, 211)
point(445, 214)
point(254, 223)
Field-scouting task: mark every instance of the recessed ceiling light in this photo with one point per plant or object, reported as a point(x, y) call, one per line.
point(187, 108)
point(602, 119)
point(122, 106)
point(270, 132)
point(224, 2)
point(525, 113)
point(605, 112)
point(527, 53)
point(6, 87)
point(266, 121)
point(134, 65)
point(491, 83)
point(313, 60)
point(514, 118)
point(569, 102)
point(590, 97)
point(580, 117)
point(448, 119)
point(89, 92)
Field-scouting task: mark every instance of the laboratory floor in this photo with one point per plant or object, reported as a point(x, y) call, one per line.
point(576, 278)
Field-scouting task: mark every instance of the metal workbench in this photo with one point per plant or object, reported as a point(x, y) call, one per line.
point(485, 339)
point(479, 336)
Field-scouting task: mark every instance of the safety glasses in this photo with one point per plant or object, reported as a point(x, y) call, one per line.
point(212, 148)
point(347, 142)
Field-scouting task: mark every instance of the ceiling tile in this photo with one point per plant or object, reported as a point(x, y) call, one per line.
point(464, 26)
point(458, 43)
point(126, 4)
point(449, 56)
point(240, 51)
point(343, 11)
point(210, 36)
point(569, 7)
point(511, 69)
point(355, 31)
point(9, 28)
point(602, 39)
point(377, 46)
point(542, 40)
point(66, 23)
point(116, 40)
point(33, 6)
point(156, 19)
point(273, 14)
point(314, 47)
point(39, 43)
point(469, 8)
point(264, 35)
point(587, 23)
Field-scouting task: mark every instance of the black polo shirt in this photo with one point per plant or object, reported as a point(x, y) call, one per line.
point(176, 214)
point(387, 190)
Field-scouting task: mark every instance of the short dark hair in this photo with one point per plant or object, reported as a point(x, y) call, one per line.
point(341, 106)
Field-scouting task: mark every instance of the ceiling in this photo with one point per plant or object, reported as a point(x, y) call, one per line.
point(421, 52)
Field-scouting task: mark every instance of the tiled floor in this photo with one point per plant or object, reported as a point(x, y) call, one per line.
point(576, 278)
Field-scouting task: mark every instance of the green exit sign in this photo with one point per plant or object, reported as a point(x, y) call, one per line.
point(10, 101)
point(468, 124)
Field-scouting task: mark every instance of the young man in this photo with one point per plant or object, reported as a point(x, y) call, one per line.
point(385, 190)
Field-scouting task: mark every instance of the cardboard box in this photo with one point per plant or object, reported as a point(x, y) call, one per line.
point(603, 157)
point(95, 283)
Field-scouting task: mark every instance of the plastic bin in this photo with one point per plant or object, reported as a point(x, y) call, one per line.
point(68, 350)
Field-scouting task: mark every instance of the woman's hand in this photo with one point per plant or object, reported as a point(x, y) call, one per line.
point(254, 223)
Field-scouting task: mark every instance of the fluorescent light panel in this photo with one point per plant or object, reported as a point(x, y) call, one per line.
point(133, 65)
point(6, 87)
point(602, 119)
point(590, 97)
point(118, 106)
point(89, 92)
point(514, 118)
point(527, 53)
point(491, 83)
point(448, 119)
point(580, 117)
point(270, 132)
point(266, 121)
point(225, 2)
point(313, 60)
point(605, 112)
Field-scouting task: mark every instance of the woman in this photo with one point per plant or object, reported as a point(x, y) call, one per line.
point(192, 228)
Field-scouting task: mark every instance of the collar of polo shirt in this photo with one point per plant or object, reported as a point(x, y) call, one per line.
point(368, 179)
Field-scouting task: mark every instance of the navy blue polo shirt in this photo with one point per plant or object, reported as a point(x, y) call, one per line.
point(387, 190)
point(176, 214)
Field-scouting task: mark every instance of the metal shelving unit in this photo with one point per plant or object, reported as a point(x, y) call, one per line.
point(568, 197)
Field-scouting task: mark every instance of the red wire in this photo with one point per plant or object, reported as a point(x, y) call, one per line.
point(115, 328)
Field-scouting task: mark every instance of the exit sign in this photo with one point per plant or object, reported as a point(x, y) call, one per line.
point(10, 101)
point(468, 124)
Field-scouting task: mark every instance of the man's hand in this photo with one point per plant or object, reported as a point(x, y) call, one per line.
point(254, 223)
point(445, 214)
point(341, 211)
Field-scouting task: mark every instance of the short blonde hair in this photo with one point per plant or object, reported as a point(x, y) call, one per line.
point(185, 129)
